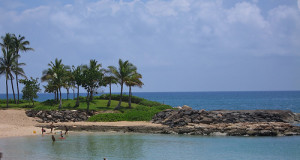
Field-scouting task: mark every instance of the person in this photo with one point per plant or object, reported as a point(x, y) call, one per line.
point(67, 129)
point(61, 135)
point(53, 138)
point(43, 130)
point(51, 127)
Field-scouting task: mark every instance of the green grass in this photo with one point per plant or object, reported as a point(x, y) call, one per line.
point(142, 109)
point(139, 113)
point(95, 105)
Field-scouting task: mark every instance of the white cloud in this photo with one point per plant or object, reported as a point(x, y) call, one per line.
point(246, 13)
point(156, 33)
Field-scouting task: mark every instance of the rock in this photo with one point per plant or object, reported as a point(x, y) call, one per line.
point(58, 116)
point(185, 107)
point(206, 120)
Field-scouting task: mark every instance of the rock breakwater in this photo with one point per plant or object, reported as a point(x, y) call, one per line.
point(59, 116)
point(232, 123)
point(182, 117)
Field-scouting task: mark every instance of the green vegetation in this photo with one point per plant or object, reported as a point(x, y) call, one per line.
point(30, 89)
point(139, 113)
point(134, 99)
point(136, 113)
point(9, 63)
point(91, 77)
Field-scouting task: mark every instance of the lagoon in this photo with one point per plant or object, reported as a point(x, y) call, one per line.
point(133, 146)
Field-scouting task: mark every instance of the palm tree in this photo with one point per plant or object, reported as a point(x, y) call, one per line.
point(78, 78)
point(109, 79)
point(8, 66)
point(56, 73)
point(92, 79)
point(20, 44)
point(8, 46)
point(133, 80)
point(124, 71)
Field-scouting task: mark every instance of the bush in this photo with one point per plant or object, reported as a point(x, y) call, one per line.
point(140, 113)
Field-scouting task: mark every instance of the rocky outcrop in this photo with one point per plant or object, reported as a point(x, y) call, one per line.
point(182, 117)
point(232, 123)
point(59, 116)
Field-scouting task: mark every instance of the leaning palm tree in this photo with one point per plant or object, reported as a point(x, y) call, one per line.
point(132, 81)
point(57, 74)
point(109, 79)
point(8, 67)
point(20, 44)
point(125, 70)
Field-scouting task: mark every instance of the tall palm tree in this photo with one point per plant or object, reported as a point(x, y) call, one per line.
point(109, 79)
point(92, 77)
point(7, 42)
point(20, 44)
point(132, 81)
point(124, 71)
point(78, 78)
point(8, 46)
point(8, 67)
point(56, 73)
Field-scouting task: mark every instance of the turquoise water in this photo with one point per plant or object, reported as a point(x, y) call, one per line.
point(117, 146)
point(283, 100)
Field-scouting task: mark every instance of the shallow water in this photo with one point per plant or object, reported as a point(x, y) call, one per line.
point(117, 146)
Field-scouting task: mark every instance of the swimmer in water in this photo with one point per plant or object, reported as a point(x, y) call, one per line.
point(51, 127)
point(61, 135)
point(67, 129)
point(53, 138)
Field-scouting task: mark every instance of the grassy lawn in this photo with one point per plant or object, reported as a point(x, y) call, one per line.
point(142, 109)
point(68, 105)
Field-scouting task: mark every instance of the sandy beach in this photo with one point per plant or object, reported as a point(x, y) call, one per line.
point(15, 123)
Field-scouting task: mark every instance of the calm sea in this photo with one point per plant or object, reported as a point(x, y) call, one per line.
point(283, 100)
point(125, 146)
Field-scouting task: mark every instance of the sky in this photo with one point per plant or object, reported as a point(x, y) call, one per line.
point(177, 45)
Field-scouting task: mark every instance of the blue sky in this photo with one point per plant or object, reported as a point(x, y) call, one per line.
point(177, 45)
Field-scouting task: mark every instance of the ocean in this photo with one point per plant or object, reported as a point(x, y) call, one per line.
point(244, 100)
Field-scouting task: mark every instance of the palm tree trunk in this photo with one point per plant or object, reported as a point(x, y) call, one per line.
point(6, 93)
point(129, 100)
point(109, 101)
point(73, 93)
point(88, 101)
point(57, 95)
point(54, 95)
point(60, 101)
point(91, 95)
point(77, 102)
point(119, 105)
point(67, 93)
point(12, 87)
point(17, 82)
